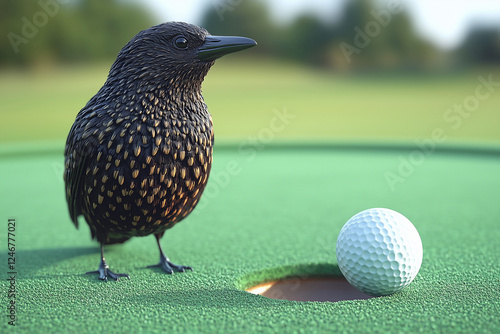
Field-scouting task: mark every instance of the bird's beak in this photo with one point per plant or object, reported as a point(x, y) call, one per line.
point(218, 46)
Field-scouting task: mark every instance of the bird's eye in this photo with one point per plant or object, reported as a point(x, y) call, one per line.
point(181, 42)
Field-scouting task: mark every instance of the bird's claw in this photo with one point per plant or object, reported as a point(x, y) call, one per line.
point(104, 272)
point(170, 267)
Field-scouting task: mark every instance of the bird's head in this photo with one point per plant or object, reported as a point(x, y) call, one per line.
point(173, 53)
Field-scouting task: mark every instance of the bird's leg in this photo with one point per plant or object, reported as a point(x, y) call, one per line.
point(104, 271)
point(165, 263)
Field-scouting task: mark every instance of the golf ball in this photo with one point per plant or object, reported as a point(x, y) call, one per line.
point(379, 251)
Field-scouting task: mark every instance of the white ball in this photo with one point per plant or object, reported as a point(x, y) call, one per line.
point(379, 251)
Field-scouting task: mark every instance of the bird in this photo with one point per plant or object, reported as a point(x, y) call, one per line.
point(139, 153)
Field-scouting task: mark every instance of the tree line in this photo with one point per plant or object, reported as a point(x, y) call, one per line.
point(366, 35)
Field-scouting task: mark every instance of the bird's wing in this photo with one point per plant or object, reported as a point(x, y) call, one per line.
point(78, 152)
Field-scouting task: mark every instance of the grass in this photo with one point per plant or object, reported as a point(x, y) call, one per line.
point(243, 98)
point(278, 216)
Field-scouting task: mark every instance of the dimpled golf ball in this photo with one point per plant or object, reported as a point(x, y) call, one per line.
point(379, 251)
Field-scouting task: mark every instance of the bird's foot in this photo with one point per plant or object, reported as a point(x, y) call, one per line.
point(104, 272)
point(169, 267)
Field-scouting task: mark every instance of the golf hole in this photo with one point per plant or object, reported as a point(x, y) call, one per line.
point(319, 289)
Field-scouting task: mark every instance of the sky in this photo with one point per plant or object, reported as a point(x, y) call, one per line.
point(443, 22)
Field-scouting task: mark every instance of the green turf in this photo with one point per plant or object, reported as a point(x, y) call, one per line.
point(278, 213)
point(243, 97)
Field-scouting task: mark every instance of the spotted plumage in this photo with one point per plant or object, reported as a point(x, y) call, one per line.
point(138, 155)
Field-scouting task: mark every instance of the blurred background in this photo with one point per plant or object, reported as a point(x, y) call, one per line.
point(339, 70)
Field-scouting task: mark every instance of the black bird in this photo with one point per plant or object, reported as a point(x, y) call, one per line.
point(139, 153)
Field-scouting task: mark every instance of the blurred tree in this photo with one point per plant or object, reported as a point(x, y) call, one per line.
point(11, 12)
point(305, 40)
point(380, 37)
point(482, 45)
point(55, 31)
point(375, 36)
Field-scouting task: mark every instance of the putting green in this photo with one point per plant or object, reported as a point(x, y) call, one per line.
point(267, 213)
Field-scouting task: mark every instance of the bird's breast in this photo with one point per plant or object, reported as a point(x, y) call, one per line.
point(148, 173)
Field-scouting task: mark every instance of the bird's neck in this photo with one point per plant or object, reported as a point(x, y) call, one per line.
point(157, 92)
point(173, 85)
